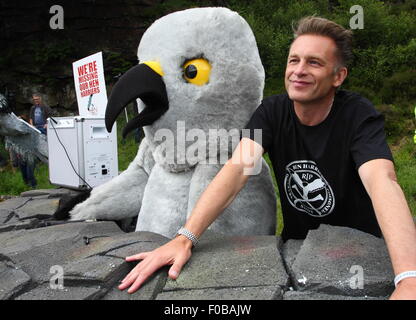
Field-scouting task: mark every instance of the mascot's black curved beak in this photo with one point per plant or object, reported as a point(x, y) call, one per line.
point(141, 82)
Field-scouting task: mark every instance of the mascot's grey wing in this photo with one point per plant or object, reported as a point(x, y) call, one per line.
point(121, 197)
point(22, 138)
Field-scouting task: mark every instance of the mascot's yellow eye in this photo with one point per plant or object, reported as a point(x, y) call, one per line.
point(197, 71)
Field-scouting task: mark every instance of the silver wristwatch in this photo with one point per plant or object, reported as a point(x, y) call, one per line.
point(188, 234)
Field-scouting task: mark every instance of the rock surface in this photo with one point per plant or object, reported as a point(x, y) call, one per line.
point(343, 261)
point(42, 258)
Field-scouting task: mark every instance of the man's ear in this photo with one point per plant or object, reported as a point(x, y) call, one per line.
point(340, 76)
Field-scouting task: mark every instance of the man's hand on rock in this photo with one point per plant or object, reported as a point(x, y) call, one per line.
point(176, 253)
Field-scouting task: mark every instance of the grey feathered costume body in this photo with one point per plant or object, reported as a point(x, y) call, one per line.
point(162, 184)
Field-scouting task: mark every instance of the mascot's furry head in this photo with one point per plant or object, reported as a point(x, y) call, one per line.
point(188, 72)
point(198, 82)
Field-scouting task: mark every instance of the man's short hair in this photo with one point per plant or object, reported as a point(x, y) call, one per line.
point(327, 28)
point(36, 94)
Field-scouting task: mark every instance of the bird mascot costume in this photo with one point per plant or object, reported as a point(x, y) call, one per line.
point(198, 81)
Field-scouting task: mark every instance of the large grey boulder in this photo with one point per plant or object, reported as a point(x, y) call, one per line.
point(45, 292)
point(250, 265)
point(13, 280)
point(233, 293)
point(313, 295)
point(343, 261)
point(90, 255)
point(36, 208)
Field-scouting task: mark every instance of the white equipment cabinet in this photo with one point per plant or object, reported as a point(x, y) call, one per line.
point(91, 149)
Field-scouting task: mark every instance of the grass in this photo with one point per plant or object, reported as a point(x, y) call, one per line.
point(12, 181)
point(127, 148)
point(279, 215)
point(405, 160)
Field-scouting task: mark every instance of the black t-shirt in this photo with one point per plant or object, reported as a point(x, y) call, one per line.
point(316, 167)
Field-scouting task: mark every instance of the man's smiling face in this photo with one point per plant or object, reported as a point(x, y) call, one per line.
point(312, 71)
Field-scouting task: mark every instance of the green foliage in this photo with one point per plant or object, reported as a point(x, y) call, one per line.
point(399, 121)
point(405, 156)
point(403, 83)
point(12, 181)
point(115, 64)
point(52, 52)
point(162, 8)
point(8, 57)
point(47, 59)
point(165, 7)
point(398, 6)
point(383, 48)
point(127, 148)
point(381, 25)
point(279, 215)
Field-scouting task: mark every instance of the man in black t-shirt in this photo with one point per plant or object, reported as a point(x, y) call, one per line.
point(316, 164)
point(329, 155)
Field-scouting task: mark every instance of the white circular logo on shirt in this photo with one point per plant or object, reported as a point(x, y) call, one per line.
point(307, 190)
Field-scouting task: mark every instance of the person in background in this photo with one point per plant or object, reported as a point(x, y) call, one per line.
point(3, 161)
point(39, 112)
point(27, 168)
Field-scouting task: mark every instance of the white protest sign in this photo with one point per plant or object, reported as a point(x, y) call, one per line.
point(90, 86)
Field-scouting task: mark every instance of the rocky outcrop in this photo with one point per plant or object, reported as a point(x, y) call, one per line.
point(36, 58)
point(44, 258)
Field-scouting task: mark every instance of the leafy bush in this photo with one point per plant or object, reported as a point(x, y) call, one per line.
point(53, 52)
point(401, 85)
point(404, 156)
point(116, 64)
point(399, 121)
